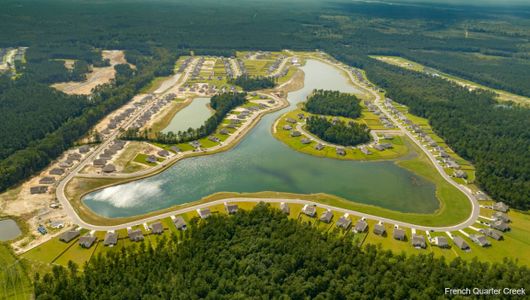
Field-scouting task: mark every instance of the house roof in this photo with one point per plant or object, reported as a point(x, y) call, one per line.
point(87, 240)
point(179, 222)
point(326, 216)
point(379, 229)
point(204, 212)
point(344, 222)
point(500, 225)
point(399, 234)
point(111, 238)
point(136, 235)
point(309, 210)
point(361, 226)
point(479, 240)
point(460, 243)
point(69, 235)
point(497, 235)
point(157, 228)
point(418, 241)
point(441, 242)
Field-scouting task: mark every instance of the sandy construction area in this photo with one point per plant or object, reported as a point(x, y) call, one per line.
point(96, 77)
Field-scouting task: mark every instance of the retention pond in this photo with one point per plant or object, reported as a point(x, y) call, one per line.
point(262, 163)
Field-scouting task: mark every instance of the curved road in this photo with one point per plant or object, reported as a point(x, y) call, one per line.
point(472, 218)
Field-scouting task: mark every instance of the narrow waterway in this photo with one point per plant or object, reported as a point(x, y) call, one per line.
point(262, 163)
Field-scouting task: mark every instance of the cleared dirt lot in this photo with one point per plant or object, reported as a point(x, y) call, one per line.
point(96, 77)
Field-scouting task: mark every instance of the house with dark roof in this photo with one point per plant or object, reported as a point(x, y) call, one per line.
point(379, 229)
point(500, 216)
point(285, 208)
point(231, 208)
point(204, 212)
point(69, 235)
point(87, 240)
point(460, 174)
point(441, 242)
point(479, 240)
point(84, 149)
point(319, 146)
point(296, 133)
point(326, 216)
point(179, 222)
point(100, 162)
point(360, 226)
point(57, 171)
point(494, 234)
point(287, 127)
point(500, 225)
point(500, 206)
point(157, 228)
point(39, 189)
point(305, 141)
point(135, 235)
point(290, 120)
point(151, 159)
point(344, 222)
point(309, 210)
point(163, 153)
point(109, 168)
point(399, 234)
point(460, 243)
point(340, 151)
point(111, 239)
point(175, 149)
point(418, 241)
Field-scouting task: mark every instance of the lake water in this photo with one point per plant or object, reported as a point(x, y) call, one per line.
point(262, 163)
point(192, 116)
point(9, 230)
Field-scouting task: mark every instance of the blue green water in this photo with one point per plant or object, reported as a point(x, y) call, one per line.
point(193, 115)
point(262, 163)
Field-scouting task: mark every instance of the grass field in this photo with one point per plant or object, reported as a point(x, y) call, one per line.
point(14, 280)
point(414, 66)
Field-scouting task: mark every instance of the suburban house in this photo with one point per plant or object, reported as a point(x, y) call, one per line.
point(230, 208)
point(399, 234)
point(460, 243)
point(379, 229)
point(326, 216)
point(111, 239)
point(285, 208)
point(204, 212)
point(69, 235)
point(418, 241)
point(479, 240)
point(135, 235)
point(309, 210)
point(179, 223)
point(360, 226)
point(87, 240)
point(157, 228)
point(344, 222)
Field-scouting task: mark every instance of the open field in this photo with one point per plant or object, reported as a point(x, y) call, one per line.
point(98, 75)
point(411, 65)
point(14, 280)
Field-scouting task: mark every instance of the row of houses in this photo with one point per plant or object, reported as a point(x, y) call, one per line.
point(275, 65)
point(197, 69)
point(103, 160)
point(155, 108)
point(184, 65)
point(417, 240)
point(68, 161)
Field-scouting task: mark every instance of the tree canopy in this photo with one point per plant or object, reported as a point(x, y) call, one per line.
point(262, 253)
point(333, 103)
point(338, 132)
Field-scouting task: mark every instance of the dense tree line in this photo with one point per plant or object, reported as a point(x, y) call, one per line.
point(263, 254)
point(333, 103)
point(106, 98)
point(494, 137)
point(222, 104)
point(338, 132)
point(254, 83)
point(30, 111)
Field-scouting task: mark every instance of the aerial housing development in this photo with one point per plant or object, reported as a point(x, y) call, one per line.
point(312, 165)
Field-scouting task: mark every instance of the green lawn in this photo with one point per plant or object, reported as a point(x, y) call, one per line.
point(14, 280)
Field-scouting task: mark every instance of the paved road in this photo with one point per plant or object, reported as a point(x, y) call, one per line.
point(474, 215)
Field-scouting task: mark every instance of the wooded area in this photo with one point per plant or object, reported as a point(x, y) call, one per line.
point(262, 253)
point(333, 103)
point(485, 44)
point(338, 132)
point(254, 83)
point(494, 137)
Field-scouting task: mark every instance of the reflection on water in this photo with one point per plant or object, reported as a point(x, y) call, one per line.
point(262, 163)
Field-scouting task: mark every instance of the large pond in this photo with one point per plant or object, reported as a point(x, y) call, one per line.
point(9, 230)
point(192, 116)
point(262, 163)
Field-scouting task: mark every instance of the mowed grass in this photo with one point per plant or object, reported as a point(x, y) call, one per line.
point(14, 280)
